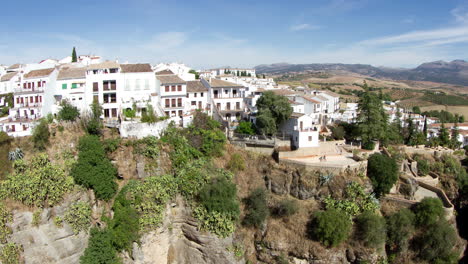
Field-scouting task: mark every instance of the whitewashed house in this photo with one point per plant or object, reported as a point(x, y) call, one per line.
point(9, 82)
point(227, 98)
point(71, 87)
point(302, 129)
point(197, 96)
point(173, 94)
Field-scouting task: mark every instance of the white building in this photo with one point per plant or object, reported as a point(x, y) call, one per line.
point(227, 99)
point(178, 69)
point(197, 96)
point(173, 94)
point(302, 129)
point(71, 86)
point(9, 82)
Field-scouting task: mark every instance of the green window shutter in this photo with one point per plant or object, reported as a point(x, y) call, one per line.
point(74, 86)
point(64, 86)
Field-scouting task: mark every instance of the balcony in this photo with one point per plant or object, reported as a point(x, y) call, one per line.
point(24, 105)
point(19, 91)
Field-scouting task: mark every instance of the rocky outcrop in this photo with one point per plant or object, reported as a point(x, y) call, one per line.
point(179, 241)
point(46, 242)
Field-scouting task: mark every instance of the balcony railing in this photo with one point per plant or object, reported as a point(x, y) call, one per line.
point(16, 105)
point(27, 91)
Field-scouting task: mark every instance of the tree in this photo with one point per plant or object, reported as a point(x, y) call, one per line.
point(338, 132)
point(92, 122)
point(429, 211)
point(74, 57)
point(444, 136)
point(371, 229)
point(436, 245)
point(425, 127)
point(265, 123)
point(245, 127)
point(100, 249)
point(383, 173)
point(455, 144)
point(372, 120)
point(149, 116)
point(416, 110)
point(278, 106)
point(400, 227)
point(330, 227)
point(264, 77)
point(68, 112)
point(410, 130)
point(41, 134)
point(93, 169)
point(197, 75)
point(256, 204)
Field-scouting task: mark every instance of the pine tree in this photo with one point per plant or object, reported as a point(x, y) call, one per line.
point(74, 57)
point(372, 120)
point(455, 143)
point(444, 136)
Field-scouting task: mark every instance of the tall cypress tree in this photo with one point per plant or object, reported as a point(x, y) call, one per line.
point(444, 136)
point(74, 57)
point(372, 119)
point(455, 143)
point(425, 127)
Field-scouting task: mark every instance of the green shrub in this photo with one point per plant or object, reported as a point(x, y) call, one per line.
point(220, 196)
point(245, 128)
point(92, 122)
point(68, 112)
point(148, 116)
point(429, 211)
point(192, 178)
point(58, 221)
point(437, 244)
point(400, 228)
point(286, 207)
point(5, 217)
point(93, 169)
point(205, 135)
point(129, 113)
point(110, 145)
point(50, 118)
point(36, 218)
point(236, 163)
point(124, 226)
point(100, 249)
point(423, 166)
point(257, 208)
point(369, 145)
point(330, 227)
point(11, 253)
point(220, 224)
point(355, 201)
point(383, 173)
point(60, 128)
point(371, 229)
point(150, 197)
point(41, 134)
point(78, 216)
point(37, 183)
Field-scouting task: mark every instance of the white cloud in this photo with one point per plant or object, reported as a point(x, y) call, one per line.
point(300, 27)
point(460, 14)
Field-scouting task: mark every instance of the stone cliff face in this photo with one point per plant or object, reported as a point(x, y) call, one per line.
point(46, 242)
point(179, 241)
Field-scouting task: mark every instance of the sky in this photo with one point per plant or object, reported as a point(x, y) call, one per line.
point(205, 33)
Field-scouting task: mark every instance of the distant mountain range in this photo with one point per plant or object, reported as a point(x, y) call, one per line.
point(454, 72)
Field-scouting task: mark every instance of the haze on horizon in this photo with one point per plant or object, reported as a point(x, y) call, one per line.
point(207, 34)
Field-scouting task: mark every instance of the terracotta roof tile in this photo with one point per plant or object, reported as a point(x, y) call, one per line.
point(72, 73)
point(216, 83)
point(38, 73)
point(104, 65)
point(140, 67)
point(196, 86)
point(164, 72)
point(172, 79)
point(8, 76)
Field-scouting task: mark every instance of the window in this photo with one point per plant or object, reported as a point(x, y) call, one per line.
point(168, 103)
point(310, 138)
point(179, 88)
point(195, 95)
point(167, 88)
point(167, 113)
point(179, 102)
point(228, 106)
point(64, 86)
point(110, 85)
point(173, 102)
point(39, 84)
point(24, 85)
point(147, 86)
point(110, 98)
point(201, 94)
point(29, 85)
point(95, 87)
point(114, 112)
point(193, 103)
point(237, 105)
point(137, 85)
point(127, 85)
point(234, 93)
point(180, 113)
point(32, 111)
point(106, 112)
point(173, 88)
point(74, 85)
point(113, 70)
point(95, 99)
point(226, 91)
point(218, 105)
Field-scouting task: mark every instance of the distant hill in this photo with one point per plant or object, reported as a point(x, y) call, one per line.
point(454, 72)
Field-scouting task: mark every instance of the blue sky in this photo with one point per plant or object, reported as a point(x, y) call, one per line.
point(203, 34)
